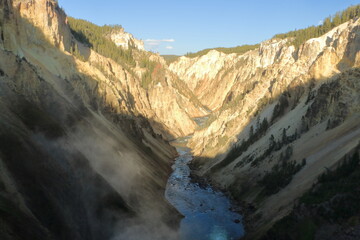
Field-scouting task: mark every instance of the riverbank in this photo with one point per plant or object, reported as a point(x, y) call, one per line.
point(209, 214)
point(244, 209)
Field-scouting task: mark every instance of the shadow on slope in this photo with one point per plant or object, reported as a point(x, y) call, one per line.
point(323, 105)
point(73, 167)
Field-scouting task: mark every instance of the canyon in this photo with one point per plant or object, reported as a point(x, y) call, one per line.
point(285, 95)
point(87, 140)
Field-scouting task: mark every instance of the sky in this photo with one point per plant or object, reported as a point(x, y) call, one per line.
point(182, 26)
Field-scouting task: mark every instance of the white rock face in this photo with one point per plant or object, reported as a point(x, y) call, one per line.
point(237, 88)
point(92, 140)
point(124, 40)
point(206, 67)
point(241, 88)
point(112, 85)
point(213, 77)
point(216, 78)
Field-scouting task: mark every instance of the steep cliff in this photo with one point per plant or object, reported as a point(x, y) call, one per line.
point(84, 130)
point(125, 39)
point(78, 158)
point(278, 110)
point(119, 85)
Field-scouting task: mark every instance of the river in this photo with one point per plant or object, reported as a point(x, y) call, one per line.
point(207, 212)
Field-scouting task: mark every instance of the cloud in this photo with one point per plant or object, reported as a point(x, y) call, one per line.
point(157, 42)
point(320, 22)
point(153, 43)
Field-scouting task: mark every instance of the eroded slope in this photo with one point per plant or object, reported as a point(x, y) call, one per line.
point(281, 116)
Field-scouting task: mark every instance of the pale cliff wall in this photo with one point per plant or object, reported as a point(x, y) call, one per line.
point(117, 85)
point(126, 40)
point(78, 158)
point(310, 93)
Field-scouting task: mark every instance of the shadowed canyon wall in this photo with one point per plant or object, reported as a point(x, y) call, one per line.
point(277, 111)
point(84, 151)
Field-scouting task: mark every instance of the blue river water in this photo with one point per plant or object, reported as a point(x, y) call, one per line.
point(207, 212)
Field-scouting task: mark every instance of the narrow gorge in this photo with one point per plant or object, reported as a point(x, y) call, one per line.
point(101, 139)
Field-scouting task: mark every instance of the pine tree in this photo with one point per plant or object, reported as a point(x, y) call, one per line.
point(302, 35)
point(251, 132)
point(284, 137)
point(96, 38)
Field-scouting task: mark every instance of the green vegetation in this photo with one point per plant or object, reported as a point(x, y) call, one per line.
point(290, 228)
point(76, 52)
point(146, 63)
point(237, 150)
point(232, 102)
point(95, 37)
point(302, 35)
point(281, 174)
point(238, 50)
point(343, 180)
point(146, 78)
point(299, 36)
point(154, 71)
point(170, 58)
point(280, 107)
point(334, 200)
point(274, 145)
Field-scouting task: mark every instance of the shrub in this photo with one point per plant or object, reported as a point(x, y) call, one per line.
point(95, 37)
point(302, 35)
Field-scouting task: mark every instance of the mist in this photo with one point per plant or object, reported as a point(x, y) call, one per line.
point(131, 173)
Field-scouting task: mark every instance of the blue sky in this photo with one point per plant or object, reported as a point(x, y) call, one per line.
point(181, 26)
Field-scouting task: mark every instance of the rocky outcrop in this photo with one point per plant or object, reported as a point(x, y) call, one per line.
point(45, 15)
point(78, 158)
point(198, 72)
point(272, 104)
point(68, 170)
point(82, 149)
point(245, 84)
point(36, 27)
point(126, 40)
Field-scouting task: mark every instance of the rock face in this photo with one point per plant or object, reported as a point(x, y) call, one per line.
point(126, 40)
point(81, 149)
point(272, 104)
point(117, 85)
point(200, 71)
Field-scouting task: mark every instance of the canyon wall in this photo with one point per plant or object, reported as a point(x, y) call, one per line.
point(83, 153)
point(273, 108)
